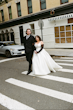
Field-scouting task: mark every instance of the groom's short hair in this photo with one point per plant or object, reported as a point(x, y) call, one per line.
point(27, 30)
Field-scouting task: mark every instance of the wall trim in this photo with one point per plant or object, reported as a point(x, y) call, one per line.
point(1, 8)
point(17, 1)
point(9, 4)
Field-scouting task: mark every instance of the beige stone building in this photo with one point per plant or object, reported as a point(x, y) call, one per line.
point(36, 7)
point(57, 17)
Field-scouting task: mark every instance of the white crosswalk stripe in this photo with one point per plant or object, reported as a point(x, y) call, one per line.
point(65, 64)
point(67, 58)
point(13, 104)
point(49, 92)
point(9, 59)
point(66, 70)
point(64, 60)
point(54, 78)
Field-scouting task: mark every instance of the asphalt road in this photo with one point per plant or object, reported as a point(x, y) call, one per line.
point(27, 91)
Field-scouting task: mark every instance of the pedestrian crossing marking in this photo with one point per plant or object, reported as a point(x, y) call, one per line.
point(46, 91)
point(66, 70)
point(64, 60)
point(65, 64)
point(13, 104)
point(54, 78)
point(67, 58)
point(9, 59)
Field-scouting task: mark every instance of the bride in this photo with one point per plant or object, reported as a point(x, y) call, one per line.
point(42, 63)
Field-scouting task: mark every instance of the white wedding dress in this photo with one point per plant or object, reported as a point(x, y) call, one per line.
point(42, 63)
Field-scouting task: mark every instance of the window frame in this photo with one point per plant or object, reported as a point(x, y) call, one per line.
point(32, 26)
point(29, 7)
point(63, 3)
point(41, 4)
point(65, 31)
point(18, 10)
point(2, 15)
point(9, 13)
point(70, 20)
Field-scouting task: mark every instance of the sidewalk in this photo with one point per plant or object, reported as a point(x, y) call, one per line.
point(60, 52)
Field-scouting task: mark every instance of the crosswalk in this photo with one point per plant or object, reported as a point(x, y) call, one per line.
point(9, 59)
point(54, 78)
point(65, 64)
point(13, 104)
point(42, 90)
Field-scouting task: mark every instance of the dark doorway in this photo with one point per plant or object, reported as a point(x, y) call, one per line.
point(21, 34)
point(7, 37)
point(3, 37)
point(12, 36)
point(0, 37)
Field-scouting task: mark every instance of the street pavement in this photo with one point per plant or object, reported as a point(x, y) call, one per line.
point(22, 92)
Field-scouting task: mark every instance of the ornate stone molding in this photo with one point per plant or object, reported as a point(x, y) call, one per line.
point(1, 8)
point(9, 4)
point(17, 1)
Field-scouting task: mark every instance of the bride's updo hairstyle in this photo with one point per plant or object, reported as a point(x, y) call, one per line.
point(38, 37)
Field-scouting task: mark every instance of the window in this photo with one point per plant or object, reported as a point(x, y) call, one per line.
point(10, 12)
point(32, 28)
point(70, 20)
point(64, 1)
point(64, 34)
point(29, 2)
point(43, 4)
point(2, 13)
point(18, 9)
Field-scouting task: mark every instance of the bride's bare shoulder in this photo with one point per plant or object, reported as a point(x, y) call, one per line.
point(42, 42)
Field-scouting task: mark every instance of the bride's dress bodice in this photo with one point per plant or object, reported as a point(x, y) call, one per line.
point(38, 46)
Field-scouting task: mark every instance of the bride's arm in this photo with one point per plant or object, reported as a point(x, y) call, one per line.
point(42, 46)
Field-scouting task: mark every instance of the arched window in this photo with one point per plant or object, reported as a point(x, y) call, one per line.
point(3, 36)
point(11, 30)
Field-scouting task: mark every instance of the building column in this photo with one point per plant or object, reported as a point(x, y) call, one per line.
point(9, 36)
point(5, 37)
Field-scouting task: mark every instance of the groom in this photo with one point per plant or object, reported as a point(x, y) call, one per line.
point(29, 41)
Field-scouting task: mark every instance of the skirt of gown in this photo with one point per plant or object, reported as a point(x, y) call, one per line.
point(43, 64)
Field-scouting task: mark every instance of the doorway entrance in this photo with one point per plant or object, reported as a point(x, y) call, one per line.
point(21, 34)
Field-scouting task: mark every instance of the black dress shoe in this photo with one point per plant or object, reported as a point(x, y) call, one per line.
point(29, 72)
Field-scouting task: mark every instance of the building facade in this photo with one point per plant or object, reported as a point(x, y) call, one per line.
point(56, 17)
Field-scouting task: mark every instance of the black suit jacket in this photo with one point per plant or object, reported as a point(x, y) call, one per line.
point(29, 44)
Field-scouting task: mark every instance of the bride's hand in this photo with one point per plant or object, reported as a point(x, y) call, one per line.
point(35, 52)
